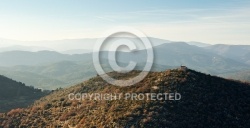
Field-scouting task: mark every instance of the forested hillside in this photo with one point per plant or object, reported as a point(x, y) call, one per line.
point(15, 94)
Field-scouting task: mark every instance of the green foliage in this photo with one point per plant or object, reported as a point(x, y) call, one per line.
point(16, 94)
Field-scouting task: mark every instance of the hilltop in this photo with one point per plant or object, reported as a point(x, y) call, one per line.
point(205, 101)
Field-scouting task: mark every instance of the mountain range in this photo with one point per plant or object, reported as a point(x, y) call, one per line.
point(205, 99)
point(51, 70)
point(72, 46)
point(240, 53)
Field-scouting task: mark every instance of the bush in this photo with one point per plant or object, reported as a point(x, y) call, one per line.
point(14, 112)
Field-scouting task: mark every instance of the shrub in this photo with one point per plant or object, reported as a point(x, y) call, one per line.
point(14, 112)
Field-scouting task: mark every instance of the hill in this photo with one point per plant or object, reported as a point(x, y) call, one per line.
point(14, 58)
point(59, 74)
point(205, 101)
point(16, 95)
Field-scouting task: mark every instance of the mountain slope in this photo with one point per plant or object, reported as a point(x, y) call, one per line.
point(240, 53)
point(34, 79)
point(14, 58)
point(195, 58)
point(16, 95)
point(60, 74)
point(180, 53)
point(205, 101)
point(242, 75)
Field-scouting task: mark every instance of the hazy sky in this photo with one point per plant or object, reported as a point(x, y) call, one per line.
point(208, 21)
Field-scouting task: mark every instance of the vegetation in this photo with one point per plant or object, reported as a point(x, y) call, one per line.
point(207, 101)
point(16, 95)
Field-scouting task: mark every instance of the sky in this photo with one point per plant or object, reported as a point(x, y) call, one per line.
point(207, 21)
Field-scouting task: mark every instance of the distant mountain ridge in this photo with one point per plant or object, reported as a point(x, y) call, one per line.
point(50, 70)
point(24, 48)
point(14, 58)
point(240, 53)
point(199, 44)
point(70, 46)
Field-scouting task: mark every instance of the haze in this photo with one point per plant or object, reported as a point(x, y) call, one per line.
point(213, 22)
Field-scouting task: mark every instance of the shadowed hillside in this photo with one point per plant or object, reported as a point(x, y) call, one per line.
point(16, 95)
point(205, 101)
